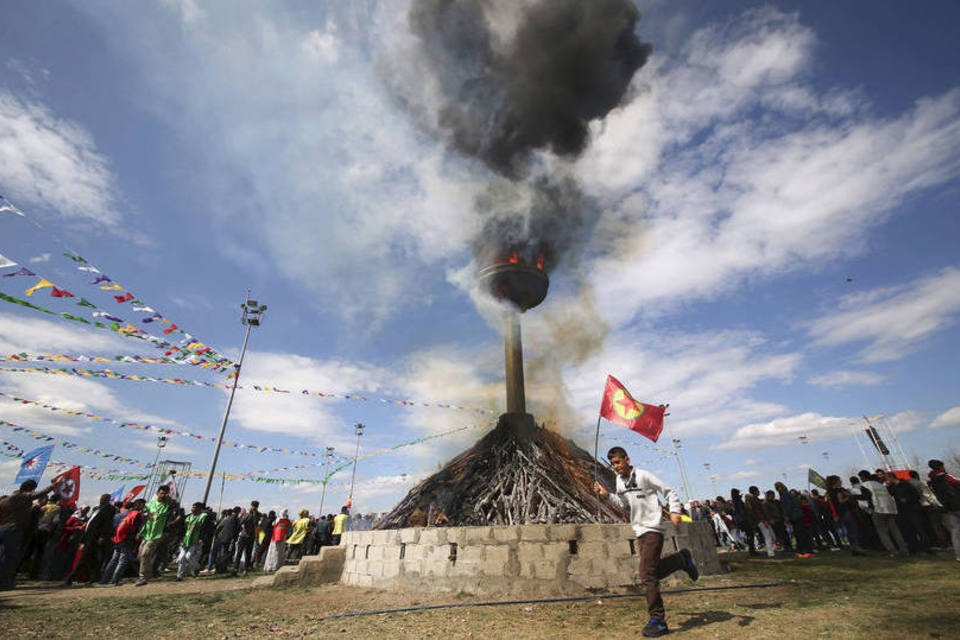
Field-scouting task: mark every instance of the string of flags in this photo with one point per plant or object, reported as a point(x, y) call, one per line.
point(186, 352)
point(161, 430)
point(104, 283)
point(113, 375)
point(129, 359)
point(341, 460)
point(38, 435)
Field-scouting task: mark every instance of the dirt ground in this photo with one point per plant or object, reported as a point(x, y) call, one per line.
point(831, 596)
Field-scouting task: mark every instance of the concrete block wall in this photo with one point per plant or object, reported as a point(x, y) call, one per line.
point(534, 560)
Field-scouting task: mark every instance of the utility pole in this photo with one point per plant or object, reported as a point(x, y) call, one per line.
point(359, 430)
point(326, 470)
point(252, 314)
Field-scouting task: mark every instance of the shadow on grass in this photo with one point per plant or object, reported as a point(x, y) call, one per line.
point(704, 618)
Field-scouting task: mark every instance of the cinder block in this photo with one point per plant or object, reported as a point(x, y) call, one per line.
point(477, 535)
point(391, 569)
point(506, 534)
point(384, 538)
point(590, 581)
point(566, 532)
point(534, 532)
point(411, 535)
point(556, 551)
point(579, 566)
point(545, 570)
point(596, 550)
point(495, 560)
point(364, 581)
point(411, 568)
point(593, 532)
point(529, 552)
point(433, 535)
point(466, 569)
point(472, 553)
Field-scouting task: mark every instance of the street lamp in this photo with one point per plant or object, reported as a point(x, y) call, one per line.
point(326, 469)
point(359, 431)
point(251, 316)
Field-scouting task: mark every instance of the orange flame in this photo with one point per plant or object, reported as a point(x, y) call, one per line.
point(540, 262)
point(514, 258)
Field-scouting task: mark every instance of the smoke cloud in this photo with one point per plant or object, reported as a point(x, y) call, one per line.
point(516, 81)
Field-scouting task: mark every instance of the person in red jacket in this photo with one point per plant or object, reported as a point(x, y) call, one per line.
point(124, 543)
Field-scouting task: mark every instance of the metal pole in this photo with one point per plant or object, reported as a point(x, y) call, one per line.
point(223, 481)
point(359, 427)
point(252, 313)
point(326, 467)
point(596, 473)
point(683, 472)
point(226, 415)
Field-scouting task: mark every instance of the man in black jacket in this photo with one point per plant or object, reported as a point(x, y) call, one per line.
point(947, 490)
point(246, 538)
point(98, 529)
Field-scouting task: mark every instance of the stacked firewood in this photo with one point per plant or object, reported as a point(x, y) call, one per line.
point(511, 476)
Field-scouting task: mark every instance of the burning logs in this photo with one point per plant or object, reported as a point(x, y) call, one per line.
point(516, 474)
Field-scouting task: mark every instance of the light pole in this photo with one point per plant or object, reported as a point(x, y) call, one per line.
point(252, 314)
point(359, 430)
point(683, 472)
point(326, 468)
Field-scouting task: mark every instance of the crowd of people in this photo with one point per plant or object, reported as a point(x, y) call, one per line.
point(875, 511)
point(107, 543)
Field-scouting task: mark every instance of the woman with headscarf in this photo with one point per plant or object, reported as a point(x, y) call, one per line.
point(300, 527)
point(277, 552)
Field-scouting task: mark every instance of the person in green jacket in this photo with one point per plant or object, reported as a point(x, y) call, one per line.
point(158, 513)
point(192, 544)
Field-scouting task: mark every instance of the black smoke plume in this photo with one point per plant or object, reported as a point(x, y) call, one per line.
point(520, 76)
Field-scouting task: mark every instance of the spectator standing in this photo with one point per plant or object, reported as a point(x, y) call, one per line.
point(340, 524)
point(277, 553)
point(15, 511)
point(124, 544)
point(758, 518)
point(883, 512)
point(947, 490)
point(188, 561)
point(246, 538)
point(98, 528)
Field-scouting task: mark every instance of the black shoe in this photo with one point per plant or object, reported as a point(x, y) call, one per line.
point(655, 629)
point(689, 565)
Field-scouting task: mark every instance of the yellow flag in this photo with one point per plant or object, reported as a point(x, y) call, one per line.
point(112, 287)
point(40, 285)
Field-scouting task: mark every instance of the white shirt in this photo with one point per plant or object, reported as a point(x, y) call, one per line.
point(637, 495)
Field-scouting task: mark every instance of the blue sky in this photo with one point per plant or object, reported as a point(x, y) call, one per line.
point(776, 254)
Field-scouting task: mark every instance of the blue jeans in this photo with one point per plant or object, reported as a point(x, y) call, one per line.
point(117, 565)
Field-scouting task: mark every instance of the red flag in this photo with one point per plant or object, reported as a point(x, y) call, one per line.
point(124, 298)
point(60, 293)
point(170, 329)
point(67, 486)
point(620, 407)
point(133, 493)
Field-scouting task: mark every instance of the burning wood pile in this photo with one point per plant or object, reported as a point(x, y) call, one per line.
point(525, 475)
point(517, 87)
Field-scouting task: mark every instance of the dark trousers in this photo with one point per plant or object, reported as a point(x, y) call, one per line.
point(244, 552)
point(90, 560)
point(802, 532)
point(782, 537)
point(653, 568)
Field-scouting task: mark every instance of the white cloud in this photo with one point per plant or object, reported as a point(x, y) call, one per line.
point(707, 378)
point(306, 416)
point(741, 475)
point(31, 335)
point(51, 162)
point(43, 257)
point(786, 431)
point(846, 379)
point(893, 321)
point(783, 175)
point(949, 418)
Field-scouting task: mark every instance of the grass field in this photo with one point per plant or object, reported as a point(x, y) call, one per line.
point(831, 596)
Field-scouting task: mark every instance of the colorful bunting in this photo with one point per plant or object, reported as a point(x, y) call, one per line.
point(42, 284)
point(60, 293)
point(6, 262)
point(127, 297)
point(22, 271)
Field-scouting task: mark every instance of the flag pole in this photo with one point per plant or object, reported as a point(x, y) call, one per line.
point(596, 464)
